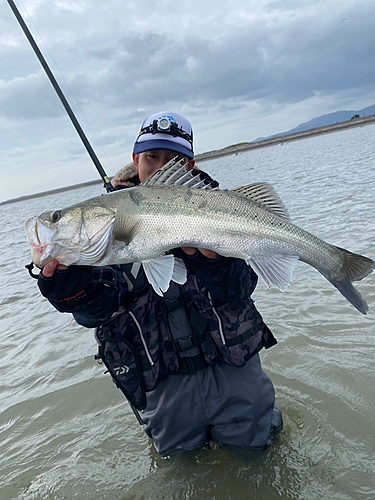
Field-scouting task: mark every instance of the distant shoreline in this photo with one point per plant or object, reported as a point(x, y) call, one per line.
point(280, 139)
point(230, 150)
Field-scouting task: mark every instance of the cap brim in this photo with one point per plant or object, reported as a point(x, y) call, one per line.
point(141, 147)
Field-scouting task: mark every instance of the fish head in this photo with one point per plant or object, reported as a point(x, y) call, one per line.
point(76, 235)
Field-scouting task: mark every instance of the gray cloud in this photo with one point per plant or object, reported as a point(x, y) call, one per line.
point(287, 64)
point(262, 64)
point(290, 62)
point(29, 98)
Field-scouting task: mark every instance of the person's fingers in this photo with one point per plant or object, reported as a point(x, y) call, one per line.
point(49, 268)
point(208, 253)
point(189, 250)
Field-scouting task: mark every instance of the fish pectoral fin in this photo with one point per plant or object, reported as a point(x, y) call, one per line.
point(264, 194)
point(159, 272)
point(179, 275)
point(276, 271)
point(121, 230)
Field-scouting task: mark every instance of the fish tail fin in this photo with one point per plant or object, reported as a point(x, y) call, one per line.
point(355, 267)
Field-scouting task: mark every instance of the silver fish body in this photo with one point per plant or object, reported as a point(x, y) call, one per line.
point(172, 209)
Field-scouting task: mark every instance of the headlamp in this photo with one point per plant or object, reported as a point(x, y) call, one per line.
point(164, 124)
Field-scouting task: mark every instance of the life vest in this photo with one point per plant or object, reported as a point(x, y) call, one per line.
point(142, 345)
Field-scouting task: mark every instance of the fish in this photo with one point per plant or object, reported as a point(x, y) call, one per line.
point(177, 208)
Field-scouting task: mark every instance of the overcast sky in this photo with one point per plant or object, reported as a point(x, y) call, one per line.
point(238, 70)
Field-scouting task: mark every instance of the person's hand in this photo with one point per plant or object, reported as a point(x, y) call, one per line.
point(67, 288)
point(197, 258)
point(207, 253)
point(50, 267)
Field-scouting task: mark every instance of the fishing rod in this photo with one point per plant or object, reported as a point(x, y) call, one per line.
point(68, 109)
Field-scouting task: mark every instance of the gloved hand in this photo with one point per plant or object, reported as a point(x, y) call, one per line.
point(197, 260)
point(69, 288)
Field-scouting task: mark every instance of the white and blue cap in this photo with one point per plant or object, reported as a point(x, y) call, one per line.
point(166, 130)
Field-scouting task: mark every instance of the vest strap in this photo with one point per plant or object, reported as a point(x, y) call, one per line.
point(189, 366)
point(239, 339)
point(169, 305)
point(185, 343)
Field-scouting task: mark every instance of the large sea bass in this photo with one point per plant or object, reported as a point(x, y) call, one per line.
point(174, 208)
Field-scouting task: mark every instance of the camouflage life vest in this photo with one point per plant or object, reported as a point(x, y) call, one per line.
point(180, 333)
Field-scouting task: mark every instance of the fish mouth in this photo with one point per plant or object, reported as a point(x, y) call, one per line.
point(45, 246)
point(39, 238)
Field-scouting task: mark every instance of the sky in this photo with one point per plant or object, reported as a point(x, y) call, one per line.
point(237, 70)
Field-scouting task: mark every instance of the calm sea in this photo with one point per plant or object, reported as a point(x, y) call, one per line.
point(68, 433)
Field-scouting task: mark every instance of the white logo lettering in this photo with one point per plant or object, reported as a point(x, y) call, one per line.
point(120, 370)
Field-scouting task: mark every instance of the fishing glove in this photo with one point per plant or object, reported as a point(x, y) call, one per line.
point(226, 278)
point(69, 289)
point(197, 261)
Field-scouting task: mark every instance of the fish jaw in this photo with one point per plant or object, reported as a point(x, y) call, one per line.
point(42, 250)
point(39, 237)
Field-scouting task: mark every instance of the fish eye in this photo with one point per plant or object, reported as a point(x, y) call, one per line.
point(55, 216)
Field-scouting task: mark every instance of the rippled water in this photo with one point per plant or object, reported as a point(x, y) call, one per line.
point(66, 432)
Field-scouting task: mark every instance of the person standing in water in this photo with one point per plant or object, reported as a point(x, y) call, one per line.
point(187, 362)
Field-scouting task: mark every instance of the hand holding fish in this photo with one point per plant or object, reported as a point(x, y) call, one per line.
point(207, 253)
point(50, 268)
point(64, 291)
point(66, 287)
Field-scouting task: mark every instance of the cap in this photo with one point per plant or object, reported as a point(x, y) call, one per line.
point(166, 130)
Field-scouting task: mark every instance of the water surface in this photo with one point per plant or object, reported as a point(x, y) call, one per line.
point(66, 432)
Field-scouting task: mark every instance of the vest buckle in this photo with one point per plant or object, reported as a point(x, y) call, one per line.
point(183, 344)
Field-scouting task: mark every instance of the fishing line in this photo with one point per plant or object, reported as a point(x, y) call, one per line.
point(61, 96)
point(67, 86)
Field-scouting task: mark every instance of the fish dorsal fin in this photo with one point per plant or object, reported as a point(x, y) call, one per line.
point(264, 194)
point(275, 271)
point(174, 173)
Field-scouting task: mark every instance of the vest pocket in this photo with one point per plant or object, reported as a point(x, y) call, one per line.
point(122, 362)
point(239, 336)
point(133, 348)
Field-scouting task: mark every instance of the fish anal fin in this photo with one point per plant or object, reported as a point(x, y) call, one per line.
point(276, 271)
point(265, 195)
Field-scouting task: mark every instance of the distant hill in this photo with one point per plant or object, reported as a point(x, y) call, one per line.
point(324, 120)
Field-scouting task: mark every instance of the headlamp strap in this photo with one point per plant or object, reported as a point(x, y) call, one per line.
point(153, 128)
point(173, 130)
